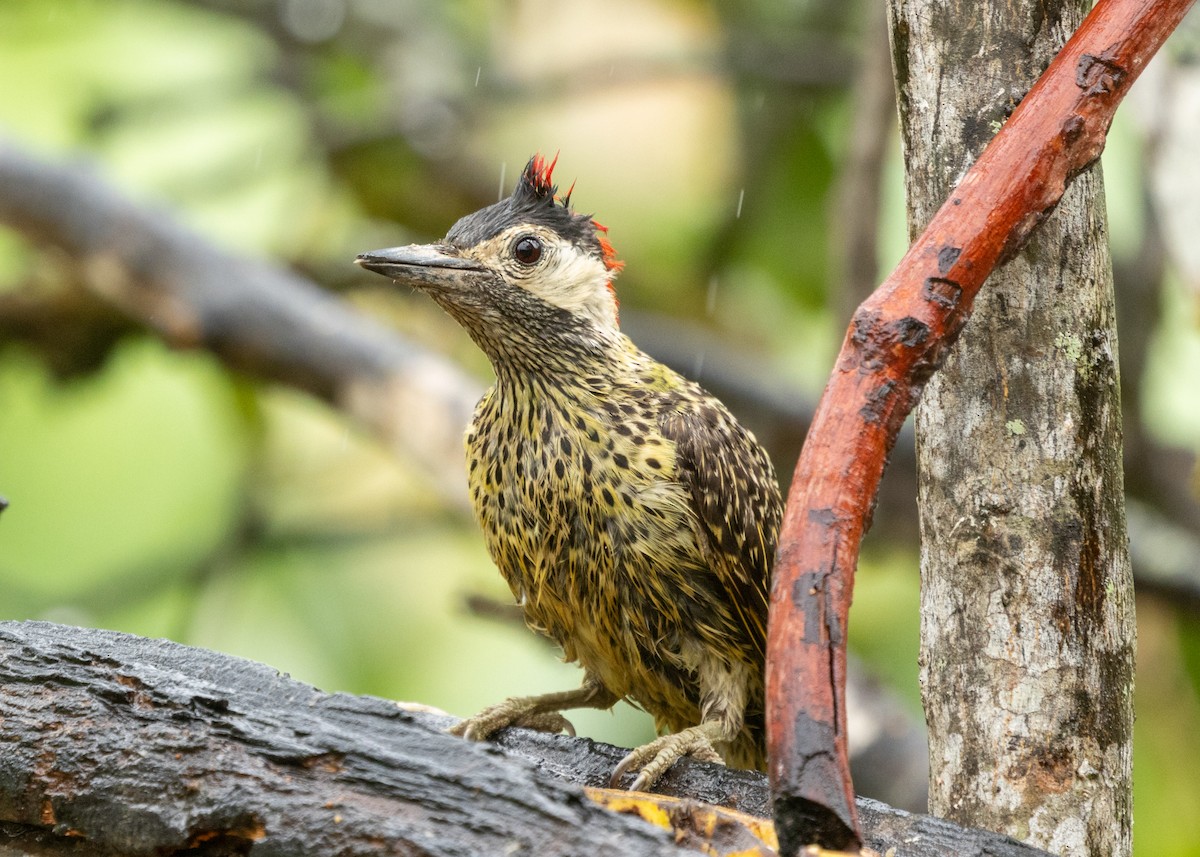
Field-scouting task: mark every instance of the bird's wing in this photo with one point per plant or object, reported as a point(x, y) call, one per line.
point(736, 499)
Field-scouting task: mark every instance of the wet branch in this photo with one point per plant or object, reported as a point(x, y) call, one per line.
point(120, 745)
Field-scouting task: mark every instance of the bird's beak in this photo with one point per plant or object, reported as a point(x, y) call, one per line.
point(421, 265)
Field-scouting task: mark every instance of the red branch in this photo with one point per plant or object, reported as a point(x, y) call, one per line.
point(896, 340)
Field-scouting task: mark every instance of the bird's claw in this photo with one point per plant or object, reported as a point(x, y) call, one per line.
point(548, 721)
point(469, 729)
point(656, 757)
point(489, 721)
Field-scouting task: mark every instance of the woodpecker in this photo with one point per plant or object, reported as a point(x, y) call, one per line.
point(633, 517)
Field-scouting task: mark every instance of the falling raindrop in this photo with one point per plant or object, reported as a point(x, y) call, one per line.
point(710, 302)
point(478, 72)
point(503, 167)
point(741, 197)
point(698, 366)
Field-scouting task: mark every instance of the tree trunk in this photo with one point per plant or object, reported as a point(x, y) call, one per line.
point(1027, 637)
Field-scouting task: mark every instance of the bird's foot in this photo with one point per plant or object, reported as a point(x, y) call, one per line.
point(654, 758)
point(519, 711)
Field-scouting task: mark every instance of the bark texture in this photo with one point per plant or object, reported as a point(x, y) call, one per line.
point(1027, 644)
point(119, 745)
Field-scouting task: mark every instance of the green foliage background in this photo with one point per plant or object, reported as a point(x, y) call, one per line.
point(160, 494)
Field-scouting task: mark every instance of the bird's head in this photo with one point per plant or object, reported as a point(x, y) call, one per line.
point(526, 266)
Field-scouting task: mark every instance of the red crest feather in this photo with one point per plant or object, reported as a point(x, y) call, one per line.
point(537, 186)
point(610, 255)
point(540, 175)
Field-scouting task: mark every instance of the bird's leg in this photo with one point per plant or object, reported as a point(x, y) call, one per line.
point(536, 712)
point(722, 714)
point(654, 758)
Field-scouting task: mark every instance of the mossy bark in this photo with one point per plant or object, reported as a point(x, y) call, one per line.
point(1027, 643)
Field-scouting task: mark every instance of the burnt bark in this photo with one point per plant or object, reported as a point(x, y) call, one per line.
point(1027, 649)
point(116, 744)
point(145, 747)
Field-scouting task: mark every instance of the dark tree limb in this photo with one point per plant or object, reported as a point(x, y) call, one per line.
point(116, 744)
point(257, 318)
point(896, 340)
point(148, 747)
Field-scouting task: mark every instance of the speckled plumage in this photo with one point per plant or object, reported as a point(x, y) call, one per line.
point(633, 517)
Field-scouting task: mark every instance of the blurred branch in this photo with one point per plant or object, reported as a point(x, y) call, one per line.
point(1158, 475)
point(71, 330)
point(419, 119)
point(1166, 557)
point(258, 319)
point(859, 189)
point(1168, 117)
point(801, 60)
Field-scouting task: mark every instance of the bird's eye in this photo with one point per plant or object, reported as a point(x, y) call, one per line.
point(527, 250)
